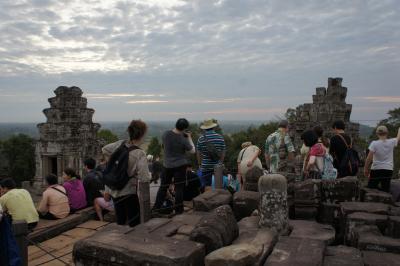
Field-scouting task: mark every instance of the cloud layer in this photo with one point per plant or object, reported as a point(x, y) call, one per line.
point(173, 56)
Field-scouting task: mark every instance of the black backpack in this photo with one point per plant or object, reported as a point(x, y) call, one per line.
point(212, 151)
point(350, 161)
point(115, 176)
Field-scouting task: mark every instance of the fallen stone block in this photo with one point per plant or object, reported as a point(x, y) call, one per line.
point(394, 211)
point(372, 258)
point(312, 230)
point(234, 255)
point(342, 256)
point(358, 219)
point(395, 189)
point(307, 192)
point(362, 230)
point(249, 223)
point(216, 229)
point(244, 203)
point(369, 207)
point(328, 213)
point(119, 245)
point(291, 251)
point(372, 242)
point(260, 238)
point(252, 177)
point(340, 190)
point(393, 229)
point(211, 200)
point(306, 213)
point(375, 195)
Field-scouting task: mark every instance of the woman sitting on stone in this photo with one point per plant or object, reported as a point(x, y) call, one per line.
point(75, 190)
point(54, 204)
point(314, 163)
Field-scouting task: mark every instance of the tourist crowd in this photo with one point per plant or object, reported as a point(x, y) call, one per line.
point(113, 186)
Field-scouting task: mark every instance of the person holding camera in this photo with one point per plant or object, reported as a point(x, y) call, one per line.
point(176, 143)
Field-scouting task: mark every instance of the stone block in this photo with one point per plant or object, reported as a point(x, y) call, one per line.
point(249, 223)
point(362, 230)
point(340, 190)
point(375, 195)
point(369, 207)
point(259, 238)
point(306, 213)
point(118, 245)
point(307, 192)
point(328, 213)
point(211, 200)
point(393, 229)
point(252, 177)
point(291, 251)
point(234, 255)
point(394, 211)
point(372, 258)
point(342, 256)
point(357, 219)
point(312, 230)
point(379, 243)
point(216, 229)
point(244, 203)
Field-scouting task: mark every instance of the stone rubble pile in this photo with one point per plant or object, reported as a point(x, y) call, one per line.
point(336, 223)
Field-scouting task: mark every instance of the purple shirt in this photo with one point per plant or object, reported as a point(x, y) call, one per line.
point(76, 194)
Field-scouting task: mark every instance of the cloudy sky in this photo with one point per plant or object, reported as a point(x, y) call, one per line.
point(228, 59)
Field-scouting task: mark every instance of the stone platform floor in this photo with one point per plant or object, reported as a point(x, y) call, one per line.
point(61, 245)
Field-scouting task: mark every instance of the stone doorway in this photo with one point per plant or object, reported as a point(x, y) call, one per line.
point(51, 165)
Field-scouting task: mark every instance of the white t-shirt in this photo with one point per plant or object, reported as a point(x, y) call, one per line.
point(383, 153)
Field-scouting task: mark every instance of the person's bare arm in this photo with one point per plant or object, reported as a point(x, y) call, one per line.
point(398, 135)
point(267, 160)
point(368, 162)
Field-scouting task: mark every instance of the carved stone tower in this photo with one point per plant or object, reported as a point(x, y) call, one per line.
point(329, 104)
point(68, 136)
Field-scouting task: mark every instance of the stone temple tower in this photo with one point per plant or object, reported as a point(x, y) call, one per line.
point(68, 136)
point(329, 104)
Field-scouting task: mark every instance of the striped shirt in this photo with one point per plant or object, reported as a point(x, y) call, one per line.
point(207, 164)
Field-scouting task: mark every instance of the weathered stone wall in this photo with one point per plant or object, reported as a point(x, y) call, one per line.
point(329, 104)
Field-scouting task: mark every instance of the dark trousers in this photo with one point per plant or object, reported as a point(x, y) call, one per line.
point(127, 210)
point(178, 174)
point(380, 176)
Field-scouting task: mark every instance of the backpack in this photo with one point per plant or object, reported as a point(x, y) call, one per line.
point(328, 171)
point(9, 250)
point(212, 151)
point(115, 176)
point(350, 161)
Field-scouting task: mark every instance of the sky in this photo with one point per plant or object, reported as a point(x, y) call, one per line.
point(226, 59)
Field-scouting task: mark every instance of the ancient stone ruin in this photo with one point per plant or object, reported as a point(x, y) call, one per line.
point(68, 136)
point(329, 104)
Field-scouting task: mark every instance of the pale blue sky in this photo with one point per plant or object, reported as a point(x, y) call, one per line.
point(163, 59)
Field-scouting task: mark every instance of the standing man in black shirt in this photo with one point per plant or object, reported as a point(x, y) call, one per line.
point(338, 145)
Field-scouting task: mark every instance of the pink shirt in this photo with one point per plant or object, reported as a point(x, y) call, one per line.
point(76, 194)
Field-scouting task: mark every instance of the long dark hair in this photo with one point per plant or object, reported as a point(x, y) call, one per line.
point(71, 172)
point(310, 138)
